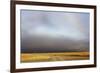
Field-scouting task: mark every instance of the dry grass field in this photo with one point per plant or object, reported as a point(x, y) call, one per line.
point(63, 56)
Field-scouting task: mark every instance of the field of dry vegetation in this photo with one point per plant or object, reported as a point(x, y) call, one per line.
point(63, 56)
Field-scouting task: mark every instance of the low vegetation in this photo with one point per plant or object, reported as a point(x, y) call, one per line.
point(63, 56)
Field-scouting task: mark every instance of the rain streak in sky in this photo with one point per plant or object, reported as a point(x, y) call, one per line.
point(54, 31)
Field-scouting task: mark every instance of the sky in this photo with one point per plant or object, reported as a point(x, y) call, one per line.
point(54, 31)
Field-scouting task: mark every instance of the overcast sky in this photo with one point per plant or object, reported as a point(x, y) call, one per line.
point(54, 31)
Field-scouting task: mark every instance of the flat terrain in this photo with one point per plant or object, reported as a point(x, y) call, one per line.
point(63, 56)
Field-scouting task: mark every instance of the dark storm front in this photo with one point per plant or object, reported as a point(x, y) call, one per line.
point(49, 31)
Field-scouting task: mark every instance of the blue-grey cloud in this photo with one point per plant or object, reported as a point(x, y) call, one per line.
point(54, 31)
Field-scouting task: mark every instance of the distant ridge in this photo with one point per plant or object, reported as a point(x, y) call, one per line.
point(50, 50)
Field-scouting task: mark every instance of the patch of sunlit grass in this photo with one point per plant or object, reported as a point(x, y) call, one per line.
point(40, 57)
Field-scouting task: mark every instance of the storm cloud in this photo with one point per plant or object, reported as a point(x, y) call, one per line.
point(49, 31)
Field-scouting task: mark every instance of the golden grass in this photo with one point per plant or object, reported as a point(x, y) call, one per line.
point(42, 57)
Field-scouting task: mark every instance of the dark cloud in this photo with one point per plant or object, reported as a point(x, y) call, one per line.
point(49, 44)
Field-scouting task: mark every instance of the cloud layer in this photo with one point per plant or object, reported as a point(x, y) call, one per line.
point(45, 31)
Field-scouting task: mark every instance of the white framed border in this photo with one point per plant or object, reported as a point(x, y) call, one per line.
point(52, 64)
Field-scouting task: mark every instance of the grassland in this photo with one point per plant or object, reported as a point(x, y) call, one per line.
point(63, 56)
